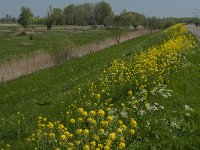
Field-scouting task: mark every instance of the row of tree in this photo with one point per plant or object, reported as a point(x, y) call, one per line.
point(94, 14)
point(83, 14)
point(8, 19)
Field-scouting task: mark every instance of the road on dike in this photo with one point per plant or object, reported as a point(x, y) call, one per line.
point(195, 30)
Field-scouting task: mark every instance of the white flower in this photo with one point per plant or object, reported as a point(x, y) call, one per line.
point(142, 112)
point(162, 107)
point(162, 90)
point(174, 125)
point(188, 108)
point(187, 114)
point(124, 114)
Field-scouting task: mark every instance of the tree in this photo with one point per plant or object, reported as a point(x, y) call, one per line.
point(87, 10)
point(102, 10)
point(57, 16)
point(117, 21)
point(82, 14)
point(69, 14)
point(140, 19)
point(26, 17)
point(128, 18)
point(117, 33)
point(8, 19)
point(79, 16)
point(49, 20)
point(153, 23)
point(108, 21)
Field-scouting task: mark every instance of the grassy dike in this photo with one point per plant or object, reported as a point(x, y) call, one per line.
point(135, 114)
point(57, 86)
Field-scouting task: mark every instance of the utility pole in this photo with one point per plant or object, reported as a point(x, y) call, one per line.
point(197, 15)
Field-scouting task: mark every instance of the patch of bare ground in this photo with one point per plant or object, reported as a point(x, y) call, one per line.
point(40, 60)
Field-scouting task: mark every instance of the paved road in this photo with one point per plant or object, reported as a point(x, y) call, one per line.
point(195, 30)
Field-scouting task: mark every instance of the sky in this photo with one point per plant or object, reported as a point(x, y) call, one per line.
point(158, 8)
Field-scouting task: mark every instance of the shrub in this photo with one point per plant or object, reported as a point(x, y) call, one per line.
point(117, 34)
point(31, 37)
point(62, 52)
point(22, 33)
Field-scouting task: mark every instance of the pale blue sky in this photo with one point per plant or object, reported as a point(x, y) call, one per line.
point(159, 8)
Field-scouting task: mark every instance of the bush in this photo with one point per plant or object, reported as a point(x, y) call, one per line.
point(62, 52)
point(31, 37)
point(117, 34)
point(22, 33)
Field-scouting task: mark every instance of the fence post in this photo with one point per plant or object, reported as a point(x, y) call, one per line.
point(2, 80)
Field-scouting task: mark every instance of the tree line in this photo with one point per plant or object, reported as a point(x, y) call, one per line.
point(93, 14)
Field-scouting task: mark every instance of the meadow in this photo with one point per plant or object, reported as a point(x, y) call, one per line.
point(140, 94)
point(14, 42)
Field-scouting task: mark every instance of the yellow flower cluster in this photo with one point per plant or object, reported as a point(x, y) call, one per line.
point(101, 124)
point(147, 68)
point(96, 130)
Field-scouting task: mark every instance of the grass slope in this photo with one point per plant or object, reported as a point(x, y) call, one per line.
point(57, 86)
point(57, 83)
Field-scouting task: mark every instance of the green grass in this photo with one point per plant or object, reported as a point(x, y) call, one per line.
point(56, 86)
point(16, 45)
point(51, 84)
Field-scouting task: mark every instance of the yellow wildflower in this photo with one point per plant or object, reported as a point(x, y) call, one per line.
point(92, 113)
point(60, 126)
point(120, 122)
point(50, 125)
point(86, 132)
point(106, 147)
point(133, 123)
point(101, 113)
point(52, 135)
point(81, 110)
point(132, 131)
point(95, 137)
point(78, 131)
point(122, 145)
point(119, 130)
point(63, 137)
point(93, 144)
point(80, 119)
point(112, 136)
point(130, 93)
point(104, 123)
point(86, 147)
point(98, 96)
point(72, 121)
point(101, 131)
point(110, 118)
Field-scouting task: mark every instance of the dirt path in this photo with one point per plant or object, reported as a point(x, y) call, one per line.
point(27, 65)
